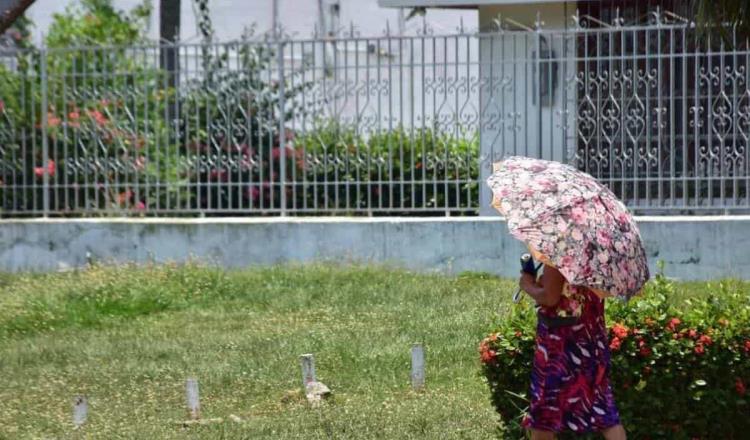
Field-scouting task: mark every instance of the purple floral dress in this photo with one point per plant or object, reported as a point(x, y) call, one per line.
point(570, 389)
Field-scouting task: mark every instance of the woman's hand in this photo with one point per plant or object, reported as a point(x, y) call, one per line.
point(527, 282)
point(547, 292)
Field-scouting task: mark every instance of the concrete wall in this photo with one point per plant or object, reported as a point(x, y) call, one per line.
point(693, 248)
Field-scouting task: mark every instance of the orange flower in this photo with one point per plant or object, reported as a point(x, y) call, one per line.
point(485, 354)
point(620, 330)
point(615, 344)
point(488, 356)
point(673, 323)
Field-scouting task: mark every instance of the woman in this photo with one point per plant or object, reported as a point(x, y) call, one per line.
point(570, 388)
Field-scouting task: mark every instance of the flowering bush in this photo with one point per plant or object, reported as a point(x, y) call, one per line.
point(123, 138)
point(680, 367)
point(105, 144)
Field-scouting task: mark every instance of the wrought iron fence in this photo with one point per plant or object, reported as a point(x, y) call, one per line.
point(381, 125)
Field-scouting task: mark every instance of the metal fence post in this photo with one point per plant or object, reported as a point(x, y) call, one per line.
point(44, 132)
point(539, 78)
point(282, 130)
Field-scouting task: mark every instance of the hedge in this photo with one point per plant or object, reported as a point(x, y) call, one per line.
point(680, 366)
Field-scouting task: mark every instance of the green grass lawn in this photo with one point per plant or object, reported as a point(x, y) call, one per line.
point(128, 338)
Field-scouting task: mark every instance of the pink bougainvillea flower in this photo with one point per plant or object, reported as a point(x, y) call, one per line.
point(253, 192)
point(52, 120)
point(140, 206)
point(124, 197)
point(39, 171)
point(98, 117)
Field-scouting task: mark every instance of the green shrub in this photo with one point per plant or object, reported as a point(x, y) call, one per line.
point(680, 367)
point(230, 126)
point(400, 169)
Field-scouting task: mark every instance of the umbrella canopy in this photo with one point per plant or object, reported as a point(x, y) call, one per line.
point(572, 222)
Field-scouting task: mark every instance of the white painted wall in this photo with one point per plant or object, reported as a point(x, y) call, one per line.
point(693, 248)
point(515, 122)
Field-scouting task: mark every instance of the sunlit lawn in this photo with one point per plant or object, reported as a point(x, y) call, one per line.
point(128, 338)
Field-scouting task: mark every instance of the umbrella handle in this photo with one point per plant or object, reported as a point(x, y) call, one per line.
point(517, 296)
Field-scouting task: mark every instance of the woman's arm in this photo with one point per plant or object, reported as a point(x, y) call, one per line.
point(548, 290)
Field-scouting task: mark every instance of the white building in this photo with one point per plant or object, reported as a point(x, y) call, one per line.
point(298, 18)
point(621, 89)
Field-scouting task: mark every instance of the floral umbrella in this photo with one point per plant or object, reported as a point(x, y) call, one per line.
point(572, 222)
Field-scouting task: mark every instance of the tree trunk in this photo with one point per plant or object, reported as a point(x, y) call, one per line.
point(11, 15)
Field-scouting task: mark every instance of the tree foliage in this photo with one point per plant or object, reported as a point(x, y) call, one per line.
point(722, 16)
